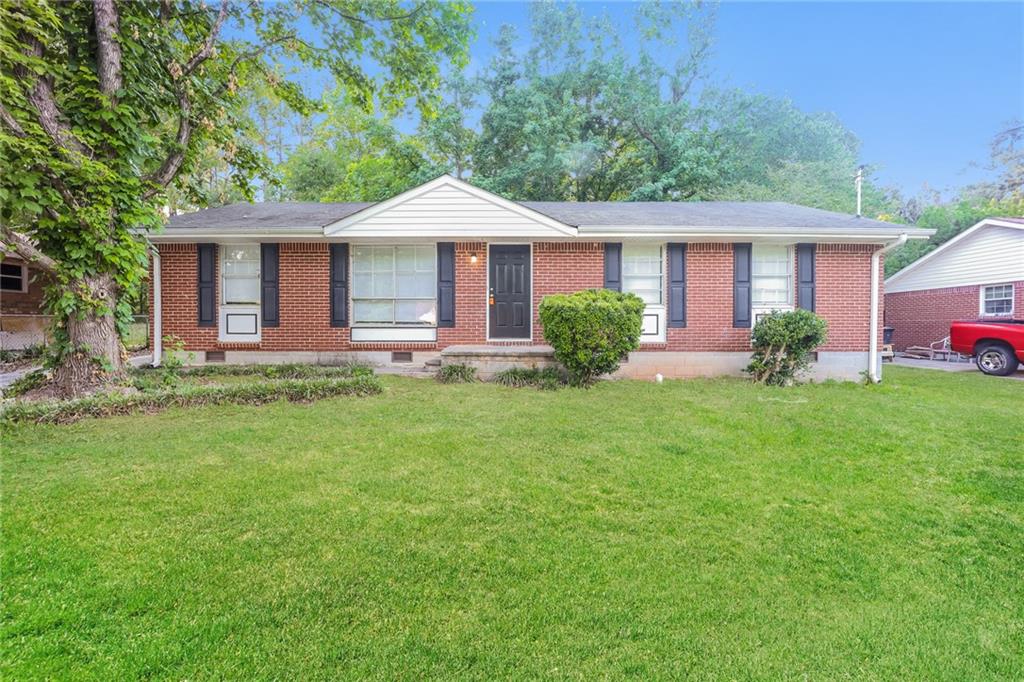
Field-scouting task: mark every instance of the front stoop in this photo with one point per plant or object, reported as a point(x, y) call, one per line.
point(489, 360)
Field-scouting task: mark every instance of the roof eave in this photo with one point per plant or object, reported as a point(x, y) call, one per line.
point(697, 232)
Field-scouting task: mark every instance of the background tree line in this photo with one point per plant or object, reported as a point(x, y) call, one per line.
point(570, 115)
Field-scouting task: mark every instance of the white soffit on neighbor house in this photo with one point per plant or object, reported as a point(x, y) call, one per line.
point(987, 253)
point(447, 208)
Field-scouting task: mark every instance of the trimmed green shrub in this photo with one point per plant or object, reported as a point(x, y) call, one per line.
point(456, 374)
point(546, 379)
point(257, 393)
point(592, 330)
point(782, 342)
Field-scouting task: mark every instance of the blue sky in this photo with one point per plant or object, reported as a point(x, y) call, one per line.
point(925, 86)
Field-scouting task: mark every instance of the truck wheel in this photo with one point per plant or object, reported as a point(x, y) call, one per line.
point(996, 359)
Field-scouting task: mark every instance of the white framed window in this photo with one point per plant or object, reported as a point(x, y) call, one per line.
point(997, 300)
point(240, 274)
point(771, 277)
point(643, 272)
point(13, 277)
point(394, 285)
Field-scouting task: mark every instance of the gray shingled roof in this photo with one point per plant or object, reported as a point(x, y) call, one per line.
point(723, 214)
point(710, 214)
point(266, 215)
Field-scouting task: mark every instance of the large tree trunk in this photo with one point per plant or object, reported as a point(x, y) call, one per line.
point(94, 357)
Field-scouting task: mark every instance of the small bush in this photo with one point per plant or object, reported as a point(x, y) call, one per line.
point(546, 379)
point(782, 342)
point(25, 383)
point(591, 331)
point(456, 374)
point(294, 390)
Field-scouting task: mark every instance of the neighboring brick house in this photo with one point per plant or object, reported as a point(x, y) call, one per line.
point(979, 274)
point(22, 319)
point(448, 268)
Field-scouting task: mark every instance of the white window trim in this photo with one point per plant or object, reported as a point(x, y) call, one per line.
point(238, 309)
point(790, 304)
point(981, 299)
point(370, 332)
point(656, 313)
point(24, 280)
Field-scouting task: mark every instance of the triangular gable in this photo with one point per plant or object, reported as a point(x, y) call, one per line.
point(447, 208)
point(897, 278)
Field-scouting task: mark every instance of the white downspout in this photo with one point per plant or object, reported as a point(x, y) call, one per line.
point(157, 312)
point(873, 373)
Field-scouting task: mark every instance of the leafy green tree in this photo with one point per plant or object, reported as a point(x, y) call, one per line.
point(105, 105)
point(356, 155)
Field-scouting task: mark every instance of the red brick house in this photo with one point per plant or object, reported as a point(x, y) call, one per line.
point(22, 319)
point(977, 275)
point(447, 269)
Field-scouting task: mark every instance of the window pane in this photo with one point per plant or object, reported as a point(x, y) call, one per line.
point(242, 260)
point(10, 283)
point(641, 260)
point(362, 285)
point(417, 285)
point(383, 259)
point(10, 270)
point(242, 290)
point(426, 258)
point(635, 282)
point(373, 311)
point(415, 312)
point(362, 259)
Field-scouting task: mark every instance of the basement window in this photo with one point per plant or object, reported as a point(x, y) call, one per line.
point(401, 356)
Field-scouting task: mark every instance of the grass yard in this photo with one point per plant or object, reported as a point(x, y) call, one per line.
point(708, 529)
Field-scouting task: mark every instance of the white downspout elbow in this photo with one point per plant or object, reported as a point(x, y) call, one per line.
point(874, 374)
point(157, 312)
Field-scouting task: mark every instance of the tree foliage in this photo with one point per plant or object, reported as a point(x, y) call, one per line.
point(106, 107)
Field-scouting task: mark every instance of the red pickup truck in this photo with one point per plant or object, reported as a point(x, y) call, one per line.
point(997, 347)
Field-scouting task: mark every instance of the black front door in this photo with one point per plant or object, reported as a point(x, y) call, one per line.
point(508, 300)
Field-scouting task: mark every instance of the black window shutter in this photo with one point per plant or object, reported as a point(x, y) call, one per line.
point(207, 282)
point(741, 314)
point(339, 285)
point(269, 285)
point(805, 254)
point(613, 266)
point(446, 284)
point(677, 285)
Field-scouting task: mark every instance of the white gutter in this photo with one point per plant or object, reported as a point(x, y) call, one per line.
point(873, 373)
point(157, 312)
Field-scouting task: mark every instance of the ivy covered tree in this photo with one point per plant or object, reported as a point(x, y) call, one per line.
point(106, 105)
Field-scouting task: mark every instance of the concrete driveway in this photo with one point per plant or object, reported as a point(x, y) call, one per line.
point(949, 366)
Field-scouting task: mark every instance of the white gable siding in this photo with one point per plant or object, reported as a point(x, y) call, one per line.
point(992, 254)
point(448, 211)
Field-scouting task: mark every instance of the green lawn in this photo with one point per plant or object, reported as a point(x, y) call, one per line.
point(708, 529)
